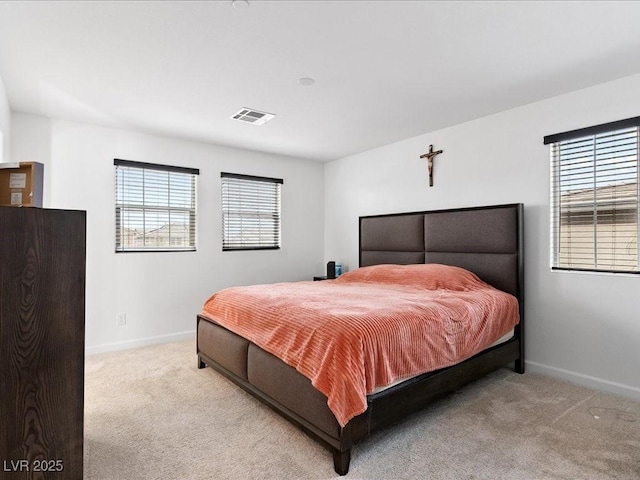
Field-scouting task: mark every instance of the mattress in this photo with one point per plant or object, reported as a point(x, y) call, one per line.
point(505, 338)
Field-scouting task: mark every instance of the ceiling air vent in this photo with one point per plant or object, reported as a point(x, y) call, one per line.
point(249, 115)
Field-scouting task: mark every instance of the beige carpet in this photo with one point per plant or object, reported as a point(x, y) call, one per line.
point(151, 414)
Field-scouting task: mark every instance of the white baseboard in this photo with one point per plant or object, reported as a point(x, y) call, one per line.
point(585, 380)
point(142, 342)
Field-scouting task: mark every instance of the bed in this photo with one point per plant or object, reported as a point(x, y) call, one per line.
point(486, 242)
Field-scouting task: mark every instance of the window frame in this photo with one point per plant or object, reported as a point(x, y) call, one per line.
point(121, 207)
point(256, 182)
point(615, 132)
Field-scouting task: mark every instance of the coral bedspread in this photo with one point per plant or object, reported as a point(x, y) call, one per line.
point(369, 327)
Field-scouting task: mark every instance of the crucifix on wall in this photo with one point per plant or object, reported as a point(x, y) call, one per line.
point(429, 156)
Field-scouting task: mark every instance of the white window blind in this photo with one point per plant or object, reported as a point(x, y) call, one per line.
point(250, 212)
point(595, 198)
point(155, 207)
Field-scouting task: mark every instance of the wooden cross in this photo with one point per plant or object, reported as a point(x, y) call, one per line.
point(429, 156)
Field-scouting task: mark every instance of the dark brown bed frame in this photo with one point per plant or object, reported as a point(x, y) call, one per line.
point(485, 240)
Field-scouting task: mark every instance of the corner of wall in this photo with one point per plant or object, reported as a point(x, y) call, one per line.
point(5, 125)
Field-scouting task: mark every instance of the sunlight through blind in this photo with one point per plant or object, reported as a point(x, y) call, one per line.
point(594, 200)
point(250, 212)
point(155, 207)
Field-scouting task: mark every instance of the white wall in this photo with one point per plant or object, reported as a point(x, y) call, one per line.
point(581, 327)
point(5, 125)
point(161, 293)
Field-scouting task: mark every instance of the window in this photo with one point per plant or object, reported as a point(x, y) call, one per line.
point(155, 207)
point(250, 212)
point(594, 198)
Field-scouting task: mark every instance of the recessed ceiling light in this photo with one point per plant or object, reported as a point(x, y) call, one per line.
point(240, 4)
point(306, 82)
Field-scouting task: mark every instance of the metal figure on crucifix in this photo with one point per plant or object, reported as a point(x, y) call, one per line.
point(429, 156)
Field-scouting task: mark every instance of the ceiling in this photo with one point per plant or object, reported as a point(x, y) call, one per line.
point(384, 70)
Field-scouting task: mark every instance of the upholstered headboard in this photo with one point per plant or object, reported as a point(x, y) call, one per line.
point(485, 240)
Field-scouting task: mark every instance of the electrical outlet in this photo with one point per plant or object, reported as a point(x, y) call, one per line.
point(122, 319)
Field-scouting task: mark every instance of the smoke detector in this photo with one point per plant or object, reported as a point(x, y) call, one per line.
point(240, 4)
point(250, 115)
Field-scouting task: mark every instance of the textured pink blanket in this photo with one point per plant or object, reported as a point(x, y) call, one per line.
point(369, 327)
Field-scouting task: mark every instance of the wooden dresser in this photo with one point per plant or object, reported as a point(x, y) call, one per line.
point(42, 314)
